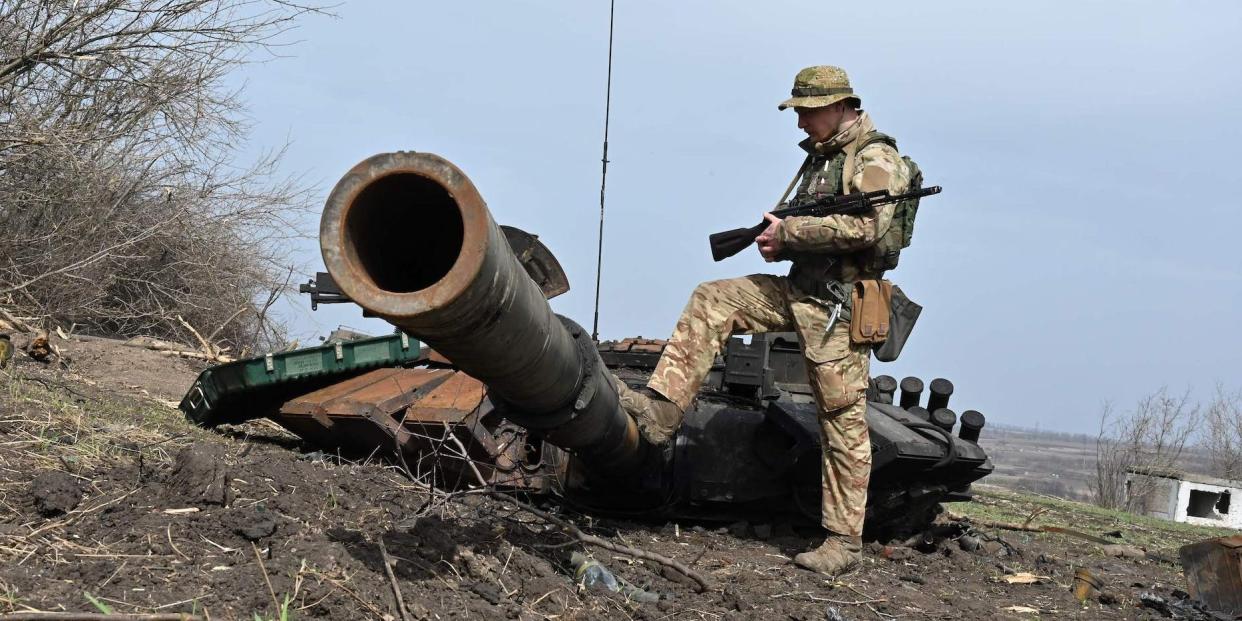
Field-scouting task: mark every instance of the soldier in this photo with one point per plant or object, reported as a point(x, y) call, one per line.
point(845, 154)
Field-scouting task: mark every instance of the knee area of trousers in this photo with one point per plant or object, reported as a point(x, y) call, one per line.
point(704, 294)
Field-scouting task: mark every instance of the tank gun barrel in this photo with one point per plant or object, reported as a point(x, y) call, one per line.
point(407, 237)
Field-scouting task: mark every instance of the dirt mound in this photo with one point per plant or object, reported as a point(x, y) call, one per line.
point(119, 368)
point(55, 493)
point(200, 477)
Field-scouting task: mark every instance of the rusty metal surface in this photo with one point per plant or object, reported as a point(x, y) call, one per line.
point(423, 416)
point(638, 344)
point(1213, 570)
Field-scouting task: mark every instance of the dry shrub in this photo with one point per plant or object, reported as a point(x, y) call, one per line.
point(123, 200)
point(1222, 431)
point(1153, 438)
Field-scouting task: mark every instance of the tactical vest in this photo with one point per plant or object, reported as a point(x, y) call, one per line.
point(821, 178)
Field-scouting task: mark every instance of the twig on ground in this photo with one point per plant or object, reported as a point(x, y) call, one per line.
point(1034, 514)
point(265, 576)
point(993, 524)
point(396, 588)
point(465, 455)
point(576, 533)
point(204, 345)
point(15, 322)
point(348, 591)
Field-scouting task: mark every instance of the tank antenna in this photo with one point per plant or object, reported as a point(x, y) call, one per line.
point(603, 180)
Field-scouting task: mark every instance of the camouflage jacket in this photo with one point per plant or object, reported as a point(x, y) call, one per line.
point(839, 247)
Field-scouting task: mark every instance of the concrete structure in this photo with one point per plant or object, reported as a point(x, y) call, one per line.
point(1184, 497)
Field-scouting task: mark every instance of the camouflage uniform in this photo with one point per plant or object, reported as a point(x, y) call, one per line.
point(833, 249)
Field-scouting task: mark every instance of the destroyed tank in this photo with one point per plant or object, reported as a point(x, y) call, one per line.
point(508, 394)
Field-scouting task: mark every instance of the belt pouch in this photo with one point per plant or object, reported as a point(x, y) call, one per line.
point(869, 324)
point(901, 323)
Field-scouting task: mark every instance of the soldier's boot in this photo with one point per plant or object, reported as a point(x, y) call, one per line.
point(657, 417)
point(837, 555)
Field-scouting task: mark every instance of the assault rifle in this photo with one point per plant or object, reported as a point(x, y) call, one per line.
point(728, 243)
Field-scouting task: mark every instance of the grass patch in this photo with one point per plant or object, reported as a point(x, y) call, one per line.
point(54, 423)
point(1154, 534)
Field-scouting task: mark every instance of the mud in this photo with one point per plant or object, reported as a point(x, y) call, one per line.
point(55, 493)
point(177, 519)
point(200, 477)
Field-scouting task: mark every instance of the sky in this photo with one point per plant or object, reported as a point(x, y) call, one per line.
point(1083, 250)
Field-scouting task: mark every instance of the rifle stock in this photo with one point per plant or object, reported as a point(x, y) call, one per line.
point(728, 243)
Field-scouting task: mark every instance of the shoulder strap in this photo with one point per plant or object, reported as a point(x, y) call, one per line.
point(797, 177)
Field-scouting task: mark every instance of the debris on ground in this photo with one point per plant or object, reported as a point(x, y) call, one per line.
point(1213, 571)
point(590, 574)
point(55, 493)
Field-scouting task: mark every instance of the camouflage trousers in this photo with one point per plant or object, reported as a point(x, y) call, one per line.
point(838, 373)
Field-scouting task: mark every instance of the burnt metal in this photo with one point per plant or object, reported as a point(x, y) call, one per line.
point(911, 392)
point(1213, 570)
point(538, 261)
point(944, 418)
point(885, 386)
point(920, 413)
point(972, 425)
point(941, 389)
point(465, 293)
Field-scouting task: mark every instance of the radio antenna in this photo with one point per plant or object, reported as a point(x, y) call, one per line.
point(603, 180)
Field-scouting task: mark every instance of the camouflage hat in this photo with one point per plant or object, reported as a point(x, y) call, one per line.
point(819, 86)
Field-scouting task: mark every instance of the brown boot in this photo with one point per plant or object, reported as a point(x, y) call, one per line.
point(657, 417)
point(837, 555)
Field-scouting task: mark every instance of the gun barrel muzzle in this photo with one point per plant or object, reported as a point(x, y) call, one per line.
point(408, 237)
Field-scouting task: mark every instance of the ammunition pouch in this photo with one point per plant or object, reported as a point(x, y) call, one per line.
point(903, 314)
point(872, 300)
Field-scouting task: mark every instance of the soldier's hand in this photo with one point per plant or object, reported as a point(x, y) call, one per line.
point(769, 245)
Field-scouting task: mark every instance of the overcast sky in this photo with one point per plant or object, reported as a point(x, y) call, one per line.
point(1084, 248)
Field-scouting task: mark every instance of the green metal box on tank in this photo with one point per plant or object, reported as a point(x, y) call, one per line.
point(249, 388)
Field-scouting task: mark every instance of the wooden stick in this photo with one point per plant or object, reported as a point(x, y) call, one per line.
point(396, 588)
point(216, 332)
point(993, 524)
point(16, 323)
point(207, 348)
point(265, 578)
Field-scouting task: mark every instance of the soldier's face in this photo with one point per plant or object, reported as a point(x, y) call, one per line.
point(820, 124)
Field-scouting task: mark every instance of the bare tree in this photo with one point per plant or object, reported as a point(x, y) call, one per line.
point(1222, 431)
point(1151, 438)
point(123, 202)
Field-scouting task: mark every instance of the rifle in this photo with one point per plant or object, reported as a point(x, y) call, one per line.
point(728, 243)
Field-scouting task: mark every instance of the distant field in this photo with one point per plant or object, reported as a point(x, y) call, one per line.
point(1049, 462)
point(1056, 464)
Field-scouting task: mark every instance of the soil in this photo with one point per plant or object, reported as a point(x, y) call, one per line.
point(247, 520)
